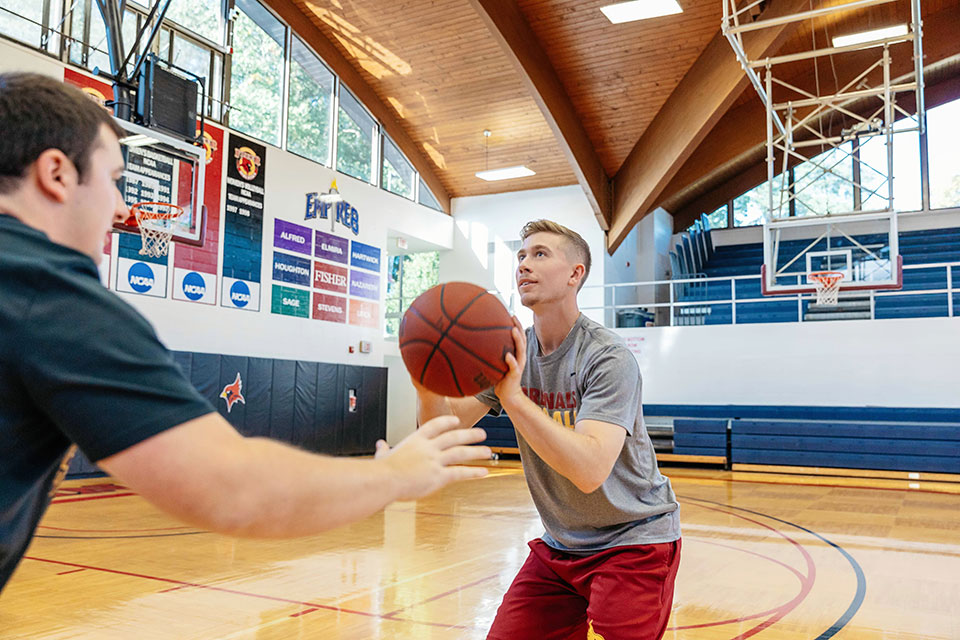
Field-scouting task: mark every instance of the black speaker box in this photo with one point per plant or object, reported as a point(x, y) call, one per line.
point(167, 101)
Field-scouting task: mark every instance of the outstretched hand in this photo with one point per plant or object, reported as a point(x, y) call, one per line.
point(509, 387)
point(432, 457)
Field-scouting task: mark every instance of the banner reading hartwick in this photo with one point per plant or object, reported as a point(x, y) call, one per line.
point(364, 285)
point(332, 248)
point(364, 256)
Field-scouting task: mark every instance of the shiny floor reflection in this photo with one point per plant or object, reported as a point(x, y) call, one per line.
point(765, 556)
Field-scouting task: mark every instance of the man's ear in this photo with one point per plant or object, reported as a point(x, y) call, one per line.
point(576, 277)
point(55, 175)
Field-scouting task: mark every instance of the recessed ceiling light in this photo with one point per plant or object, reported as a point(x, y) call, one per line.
point(505, 174)
point(640, 10)
point(868, 36)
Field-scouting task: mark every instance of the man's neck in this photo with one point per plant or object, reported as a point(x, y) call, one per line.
point(553, 323)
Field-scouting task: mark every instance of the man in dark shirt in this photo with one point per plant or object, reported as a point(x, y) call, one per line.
point(79, 365)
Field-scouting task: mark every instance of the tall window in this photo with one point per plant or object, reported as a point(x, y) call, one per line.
point(256, 78)
point(21, 19)
point(310, 118)
point(398, 174)
point(824, 183)
point(88, 47)
point(356, 138)
point(408, 276)
point(718, 219)
point(202, 61)
point(203, 17)
point(426, 197)
point(906, 172)
point(750, 208)
point(943, 146)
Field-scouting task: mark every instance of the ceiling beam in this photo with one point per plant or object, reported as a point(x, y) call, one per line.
point(738, 140)
point(349, 76)
point(516, 38)
point(700, 99)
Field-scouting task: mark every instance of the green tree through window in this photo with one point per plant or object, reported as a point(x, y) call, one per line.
point(257, 74)
point(408, 276)
point(311, 105)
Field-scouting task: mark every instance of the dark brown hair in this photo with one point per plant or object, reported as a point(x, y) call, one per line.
point(38, 113)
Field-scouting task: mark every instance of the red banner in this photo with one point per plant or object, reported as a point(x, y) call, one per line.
point(329, 277)
point(329, 308)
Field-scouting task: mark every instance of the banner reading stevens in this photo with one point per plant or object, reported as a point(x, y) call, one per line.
point(243, 224)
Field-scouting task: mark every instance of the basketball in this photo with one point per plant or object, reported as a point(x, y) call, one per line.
point(454, 337)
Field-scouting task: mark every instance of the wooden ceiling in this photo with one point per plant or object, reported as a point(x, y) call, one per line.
point(625, 110)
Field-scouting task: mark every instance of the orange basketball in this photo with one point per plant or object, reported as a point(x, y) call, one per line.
point(454, 337)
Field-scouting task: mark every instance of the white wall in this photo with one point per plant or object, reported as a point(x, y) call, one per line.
point(884, 363)
point(498, 219)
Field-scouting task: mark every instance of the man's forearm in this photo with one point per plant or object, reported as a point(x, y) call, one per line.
point(431, 405)
point(573, 455)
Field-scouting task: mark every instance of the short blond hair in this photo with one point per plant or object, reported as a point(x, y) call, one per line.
point(576, 248)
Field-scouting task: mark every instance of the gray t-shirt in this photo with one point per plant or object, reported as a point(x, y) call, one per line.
point(593, 376)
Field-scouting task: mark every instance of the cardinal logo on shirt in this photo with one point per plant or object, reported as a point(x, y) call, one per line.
point(232, 393)
point(591, 634)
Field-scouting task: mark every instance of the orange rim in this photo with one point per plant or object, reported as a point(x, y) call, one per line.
point(137, 210)
point(826, 277)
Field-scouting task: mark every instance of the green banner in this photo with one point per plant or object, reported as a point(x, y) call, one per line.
point(288, 301)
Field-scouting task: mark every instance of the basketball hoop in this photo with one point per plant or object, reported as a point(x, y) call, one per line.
point(155, 221)
point(828, 286)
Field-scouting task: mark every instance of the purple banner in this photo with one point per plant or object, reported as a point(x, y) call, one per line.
point(292, 237)
point(364, 285)
point(331, 248)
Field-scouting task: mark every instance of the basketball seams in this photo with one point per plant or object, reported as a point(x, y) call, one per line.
point(453, 372)
point(453, 322)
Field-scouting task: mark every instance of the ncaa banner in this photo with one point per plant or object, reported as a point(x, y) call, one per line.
point(243, 223)
point(240, 294)
point(142, 278)
point(194, 286)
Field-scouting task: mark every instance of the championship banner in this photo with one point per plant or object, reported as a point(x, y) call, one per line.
point(243, 224)
point(288, 301)
point(364, 285)
point(364, 256)
point(364, 313)
point(329, 308)
point(329, 277)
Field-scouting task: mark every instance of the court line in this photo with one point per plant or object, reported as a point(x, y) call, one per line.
point(818, 484)
point(443, 595)
point(43, 526)
point(93, 497)
point(858, 597)
point(260, 596)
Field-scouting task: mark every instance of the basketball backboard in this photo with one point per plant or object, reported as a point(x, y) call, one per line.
point(864, 247)
point(162, 168)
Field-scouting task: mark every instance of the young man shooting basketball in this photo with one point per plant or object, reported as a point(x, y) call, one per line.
point(77, 364)
point(606, 566)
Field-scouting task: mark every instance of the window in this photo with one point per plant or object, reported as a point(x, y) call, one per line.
point(426, 198)
point(750, 208)
point(398, 174)
point(356, 138)
point(256, 78)
point(718, 219)
point(21, 19)
point(408, 276)
point(91, 49)
point(943, 142)
point(310, 118)
point(203, 17)
point(906, 172)
point(824, 184)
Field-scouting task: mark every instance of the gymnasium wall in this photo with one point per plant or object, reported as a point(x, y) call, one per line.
point(212, 324)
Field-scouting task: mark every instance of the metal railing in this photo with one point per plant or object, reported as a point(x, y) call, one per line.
point(688, 297)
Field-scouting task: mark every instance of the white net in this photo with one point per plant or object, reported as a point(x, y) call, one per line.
point(156, 221)
point(828, 286)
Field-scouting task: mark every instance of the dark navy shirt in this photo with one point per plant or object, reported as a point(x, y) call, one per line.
point(77, 364)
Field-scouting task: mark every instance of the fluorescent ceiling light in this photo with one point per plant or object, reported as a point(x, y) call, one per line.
point(138, 140)
point(505, 174)
point(640, 10)
point(869, 36)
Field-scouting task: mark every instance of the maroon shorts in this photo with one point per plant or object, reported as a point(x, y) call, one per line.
point(624, 593)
